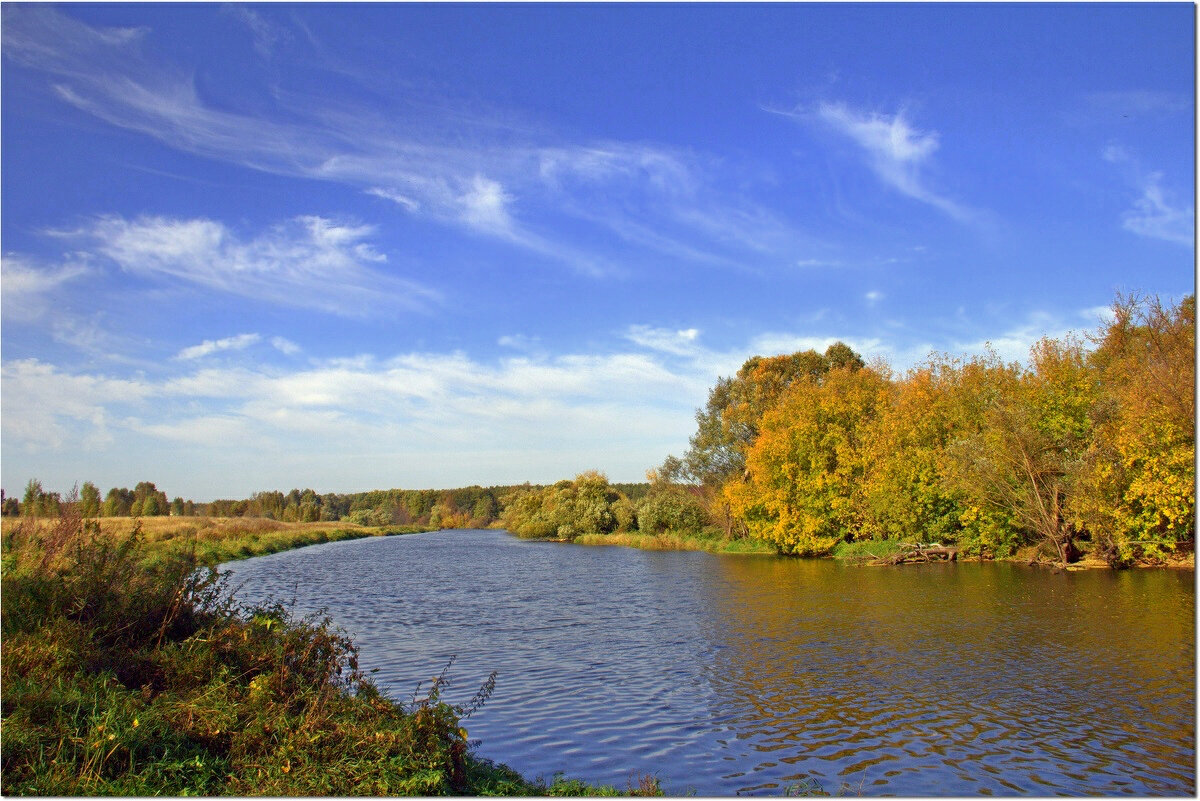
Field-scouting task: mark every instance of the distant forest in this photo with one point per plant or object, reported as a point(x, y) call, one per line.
point(465, 507)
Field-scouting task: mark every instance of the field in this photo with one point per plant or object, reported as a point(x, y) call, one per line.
point(222, 539)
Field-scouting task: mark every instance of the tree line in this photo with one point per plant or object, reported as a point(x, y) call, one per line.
point(1092, 444)
point(1089, 447)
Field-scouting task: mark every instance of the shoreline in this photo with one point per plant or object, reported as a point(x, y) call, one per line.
point(670, 541)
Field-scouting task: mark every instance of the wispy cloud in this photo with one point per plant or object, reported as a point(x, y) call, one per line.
point(285, 346)
point(211, 346)
point(896, 151)
point(448, 167)
point(1137, 103)
point(308, 262)
point(1155, 214)
point(26, 286)
point(678, 343)
point(399, 199)
point(266, 34)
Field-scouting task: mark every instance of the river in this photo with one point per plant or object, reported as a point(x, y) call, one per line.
point(767, 675)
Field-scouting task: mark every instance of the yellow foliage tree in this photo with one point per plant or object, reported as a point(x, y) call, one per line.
point(1137, 489)
point(804, 472)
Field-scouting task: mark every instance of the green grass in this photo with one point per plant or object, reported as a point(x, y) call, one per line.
point(678, 541)
point(866, 550)
point(129, 670)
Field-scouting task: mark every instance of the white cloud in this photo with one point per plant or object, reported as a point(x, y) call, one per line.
point(519, 342)
point(285, 346)
point(210, 346)
point(266, 34)
point(419, 418)
point(485, 205)
point(27, 287)
point(308, 262)
point(1154, 215)
point(1099, 315)
point(896, 151)
point(396, 197)
point(677, 343)
point(873, 297)
point(47, 409)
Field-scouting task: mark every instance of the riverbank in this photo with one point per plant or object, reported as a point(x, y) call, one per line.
point(129, 671)
point(861, 553)
point(678, 541)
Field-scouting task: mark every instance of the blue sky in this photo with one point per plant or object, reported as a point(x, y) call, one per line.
point(250, 247)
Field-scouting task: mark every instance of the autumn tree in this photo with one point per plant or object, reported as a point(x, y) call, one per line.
point(805, 470)
point(1034, 431)
point(1137, 490)
point(730, 421)
point(906, 494)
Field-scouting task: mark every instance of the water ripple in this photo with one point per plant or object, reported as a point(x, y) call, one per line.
point(726, 675)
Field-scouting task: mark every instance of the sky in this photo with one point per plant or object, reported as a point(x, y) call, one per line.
point(346, 247)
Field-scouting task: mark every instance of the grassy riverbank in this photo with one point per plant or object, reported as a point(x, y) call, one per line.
point(678, 541)
point(129, 670)
point(861, 552)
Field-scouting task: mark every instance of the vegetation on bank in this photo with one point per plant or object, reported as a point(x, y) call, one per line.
point(130, 670)
point(1086, 451)
point(1089, 448)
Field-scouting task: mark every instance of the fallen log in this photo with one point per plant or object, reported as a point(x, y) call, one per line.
point(919, 552)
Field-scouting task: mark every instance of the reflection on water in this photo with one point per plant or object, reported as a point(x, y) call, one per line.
point(756, 674)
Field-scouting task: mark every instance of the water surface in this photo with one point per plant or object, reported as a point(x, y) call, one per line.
point(750, 674)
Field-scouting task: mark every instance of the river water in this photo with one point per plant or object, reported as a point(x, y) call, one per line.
point(728, 675)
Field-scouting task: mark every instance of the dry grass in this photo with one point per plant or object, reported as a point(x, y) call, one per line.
point(219, 539)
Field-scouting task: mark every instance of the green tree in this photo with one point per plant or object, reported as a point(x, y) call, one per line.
point(150, 506)
point(564, 510)
point(89, 500)
point(32, 502)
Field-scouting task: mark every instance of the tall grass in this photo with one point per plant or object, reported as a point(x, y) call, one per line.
point(129, 669)
point(217, 539)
